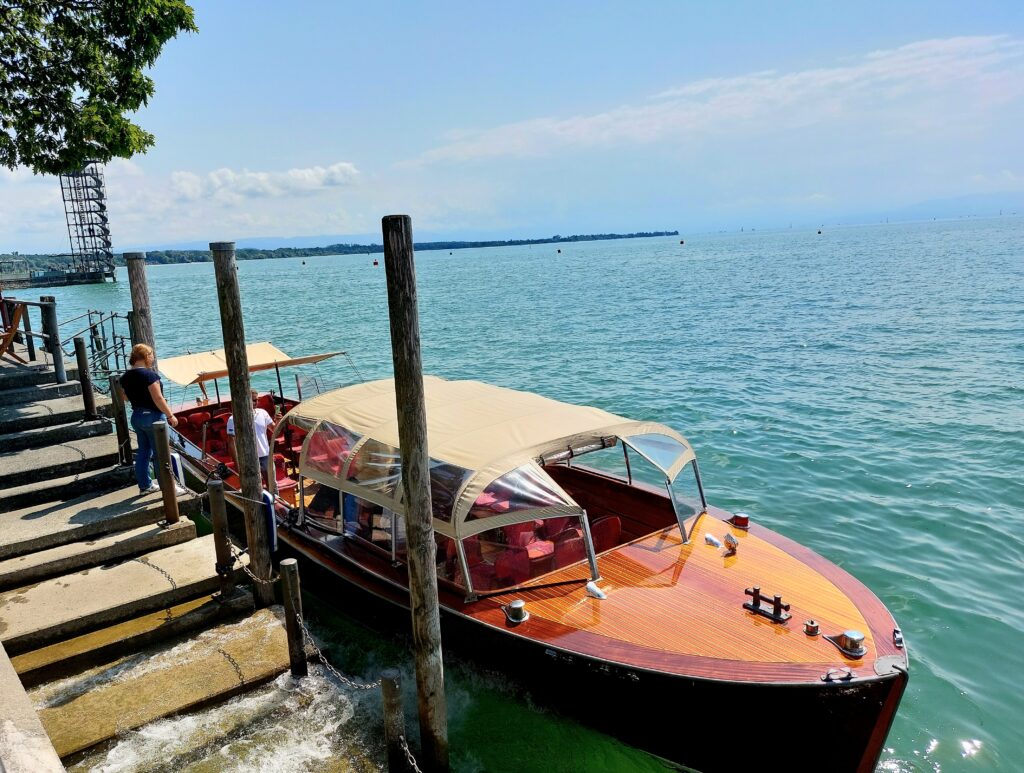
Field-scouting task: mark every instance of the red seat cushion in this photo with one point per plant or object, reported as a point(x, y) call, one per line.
point(512, 567)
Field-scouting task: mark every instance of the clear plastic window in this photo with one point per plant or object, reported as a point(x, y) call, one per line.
point(377, 466)
point(660, 449)
point(685, 493)
point(329, 448)
point(525, 488)
point(446, 480)
point(512, 555)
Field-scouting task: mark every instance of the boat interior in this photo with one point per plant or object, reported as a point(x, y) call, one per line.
point(619, 510)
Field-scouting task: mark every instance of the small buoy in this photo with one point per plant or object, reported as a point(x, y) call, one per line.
point(303, 262)
point(449, 253)
point(682, 241)
point(559, 252)
point(375, 263)
point(819, 231)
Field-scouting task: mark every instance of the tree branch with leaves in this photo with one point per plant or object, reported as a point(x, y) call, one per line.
point(71, 71)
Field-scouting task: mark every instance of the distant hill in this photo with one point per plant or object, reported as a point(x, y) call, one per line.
point(249, 253)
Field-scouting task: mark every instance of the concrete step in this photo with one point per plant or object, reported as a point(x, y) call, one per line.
point(212, 667)
point(33, 495)
point(34, 374)
point(34, 394)
point(24, 745)
point(35, 567)
point(87, 517)
point(18, 417)
point(38, 615)
point(18, 468)
point(79, 653)
point(48, 436)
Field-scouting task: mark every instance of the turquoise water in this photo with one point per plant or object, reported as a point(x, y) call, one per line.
point(859, 391)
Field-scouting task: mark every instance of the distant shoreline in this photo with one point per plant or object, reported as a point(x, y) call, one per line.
point(169, 257)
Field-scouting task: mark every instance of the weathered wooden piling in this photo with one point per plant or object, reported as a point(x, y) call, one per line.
point(124, 440)
point(221, 537)
point(142, 316)
point(394, 719)
point(412, 432)
point(48, 308)
point(233, 328)
point(168, 488)
point(292, 596)
point(85, 378)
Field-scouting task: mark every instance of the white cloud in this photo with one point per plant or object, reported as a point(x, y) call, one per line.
point(977, 72)
point(229, 185)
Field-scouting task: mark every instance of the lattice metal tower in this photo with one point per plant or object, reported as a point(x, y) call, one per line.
point(85, 206)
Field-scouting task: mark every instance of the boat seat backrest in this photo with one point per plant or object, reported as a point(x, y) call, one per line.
point(605, 532)
point(197, 420)
point(520, 534)
point(512, 566)
point(569, 549)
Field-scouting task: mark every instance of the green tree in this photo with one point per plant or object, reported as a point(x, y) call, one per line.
point(70, 70)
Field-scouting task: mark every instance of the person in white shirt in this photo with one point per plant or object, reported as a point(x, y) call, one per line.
point(264, 425)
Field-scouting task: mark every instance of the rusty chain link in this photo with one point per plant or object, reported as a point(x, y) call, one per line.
point(237, 555)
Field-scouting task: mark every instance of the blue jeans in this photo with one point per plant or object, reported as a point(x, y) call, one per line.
point(142, 422)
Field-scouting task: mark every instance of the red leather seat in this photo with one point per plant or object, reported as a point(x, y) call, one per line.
point(512, 567)
point(606, 533)
point(569, 550)
point(197, 420)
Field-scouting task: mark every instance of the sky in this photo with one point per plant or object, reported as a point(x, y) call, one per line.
point(314, 119)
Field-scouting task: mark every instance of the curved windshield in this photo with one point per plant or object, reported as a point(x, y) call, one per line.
point(661, 450)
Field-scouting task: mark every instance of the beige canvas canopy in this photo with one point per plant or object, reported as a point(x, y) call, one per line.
point(206, 366)
point(484, 431)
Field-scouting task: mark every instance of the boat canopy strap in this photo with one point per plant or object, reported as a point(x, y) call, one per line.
point(206, 366)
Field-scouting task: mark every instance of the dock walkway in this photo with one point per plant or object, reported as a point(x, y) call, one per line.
point(91, 574)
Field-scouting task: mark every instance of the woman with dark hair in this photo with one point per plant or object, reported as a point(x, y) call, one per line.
point(142, 387)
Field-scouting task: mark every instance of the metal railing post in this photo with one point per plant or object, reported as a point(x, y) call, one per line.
point(292, 612)
point(85, 379)
point(30, 343)
point(163, 472)
point(52, 331)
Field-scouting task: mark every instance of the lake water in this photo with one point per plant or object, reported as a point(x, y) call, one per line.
point(860, 391)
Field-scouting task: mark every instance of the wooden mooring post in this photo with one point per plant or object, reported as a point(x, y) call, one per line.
point(292, 595)
point(124, 440)
point(168, 488)
point(221, 537)
point(142, 317)
point(233, 328)
point(51, 329)
point(394, 719)
point(412, 433)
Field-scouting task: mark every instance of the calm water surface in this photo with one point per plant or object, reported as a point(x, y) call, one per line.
point(859, 391)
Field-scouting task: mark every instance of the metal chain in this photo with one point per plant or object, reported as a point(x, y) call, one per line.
point(142, 560)
point(308, 638)
point(238, 558)
point(408, 754)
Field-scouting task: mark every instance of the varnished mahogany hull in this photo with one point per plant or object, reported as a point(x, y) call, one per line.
point(706, 724)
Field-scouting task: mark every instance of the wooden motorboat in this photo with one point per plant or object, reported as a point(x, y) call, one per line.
point(200, 441)
point(576, 549)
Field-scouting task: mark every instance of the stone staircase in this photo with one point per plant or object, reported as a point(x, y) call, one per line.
point(90, 572)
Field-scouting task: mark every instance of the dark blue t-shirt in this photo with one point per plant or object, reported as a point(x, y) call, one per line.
point(135, 384)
